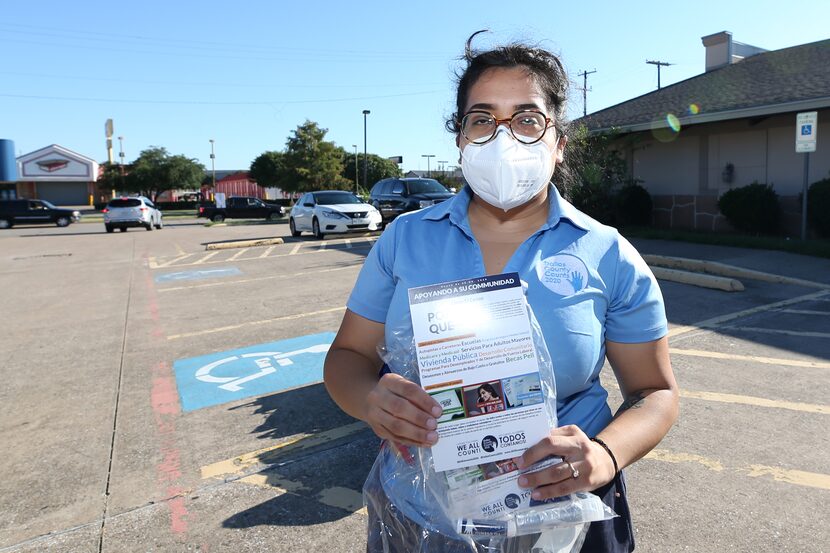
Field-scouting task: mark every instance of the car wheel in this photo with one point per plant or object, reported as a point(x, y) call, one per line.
point(5, 223)
point(149, 226)
point(315, 229)
point(274, 216)
point(122, 229)
point(294, 232)
point(62, 221)
point(161, 224)
point(109, 228)
point(218, 218)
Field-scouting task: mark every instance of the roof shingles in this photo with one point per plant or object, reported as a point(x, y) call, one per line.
point(779, 77)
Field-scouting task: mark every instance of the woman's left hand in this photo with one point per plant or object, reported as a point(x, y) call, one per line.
point(586, 465)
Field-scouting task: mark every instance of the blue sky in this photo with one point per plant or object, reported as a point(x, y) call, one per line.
point(179, 73)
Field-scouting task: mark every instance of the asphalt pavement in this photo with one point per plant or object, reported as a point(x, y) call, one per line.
point(160, 396)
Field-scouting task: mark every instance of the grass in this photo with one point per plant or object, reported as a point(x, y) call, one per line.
point(813, 247)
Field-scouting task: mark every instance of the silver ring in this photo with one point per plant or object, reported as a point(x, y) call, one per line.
point(574, 472)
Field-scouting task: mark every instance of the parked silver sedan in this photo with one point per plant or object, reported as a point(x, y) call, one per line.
point(133, 211)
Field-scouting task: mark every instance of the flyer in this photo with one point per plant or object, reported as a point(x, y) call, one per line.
point(476, 357)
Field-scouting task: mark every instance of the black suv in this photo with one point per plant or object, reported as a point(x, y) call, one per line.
point(34, 212)
point(398, 195)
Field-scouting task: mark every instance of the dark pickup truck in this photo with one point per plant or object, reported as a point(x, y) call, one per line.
point(35, 212)
point(242, 208)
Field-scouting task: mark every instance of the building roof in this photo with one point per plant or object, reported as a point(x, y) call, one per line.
point(233, 175)
point(781, 81)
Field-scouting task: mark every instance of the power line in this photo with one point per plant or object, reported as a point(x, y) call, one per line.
point(659, 64)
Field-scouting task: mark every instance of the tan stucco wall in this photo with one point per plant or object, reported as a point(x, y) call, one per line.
point(761, 150)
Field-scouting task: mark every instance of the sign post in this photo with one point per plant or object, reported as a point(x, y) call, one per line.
point(806, 130)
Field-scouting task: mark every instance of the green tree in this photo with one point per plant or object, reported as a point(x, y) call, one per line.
point(268, 168)
point(597, 171)
point(378, 168)
point(155, 171)
point(111, 178)
point(310, 162)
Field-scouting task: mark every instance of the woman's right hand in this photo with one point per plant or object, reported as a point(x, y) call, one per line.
point(401, 411)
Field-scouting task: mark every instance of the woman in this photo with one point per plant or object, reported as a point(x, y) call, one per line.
point(592, 293)
point(489, 400)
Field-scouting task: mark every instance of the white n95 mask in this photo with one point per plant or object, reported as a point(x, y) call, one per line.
point(506, 173)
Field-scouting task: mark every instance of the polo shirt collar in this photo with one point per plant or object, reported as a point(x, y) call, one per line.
point(456, 209)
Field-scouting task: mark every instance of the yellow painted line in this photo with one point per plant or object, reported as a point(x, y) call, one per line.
point(205, 258)
point(309, 251)
point(348, 244)
point(237, 254)
point(272, 480)
point(151, 262)
point(716, 321)
point(797, 477)
point(342, 498)
point(806, 312)
point(245, 461)
point(256, 279)
point(669, 457)
point(789, 476)
point(751, 358)
point(802, 333)
point(267, 252)
point(322, 246)
point(296, 248)
point(172, 261)
point(611, 384)
point(179, 249)
point(254, 323)
point(757, 401)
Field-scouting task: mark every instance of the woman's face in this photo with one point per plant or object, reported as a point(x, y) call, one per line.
point(503, 92)
point(484, 395)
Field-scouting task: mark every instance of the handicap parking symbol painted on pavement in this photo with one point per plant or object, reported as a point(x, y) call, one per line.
point(230, 375)
point(198, 275)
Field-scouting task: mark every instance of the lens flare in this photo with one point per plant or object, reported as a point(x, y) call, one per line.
point(694, 109)
point(673, 122)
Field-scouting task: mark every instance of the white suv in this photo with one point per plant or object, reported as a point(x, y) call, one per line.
point(133, 211)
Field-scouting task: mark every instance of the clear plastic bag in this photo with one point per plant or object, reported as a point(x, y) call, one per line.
point(481, 508)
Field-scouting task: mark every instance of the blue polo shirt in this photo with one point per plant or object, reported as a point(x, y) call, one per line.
point(585, 283)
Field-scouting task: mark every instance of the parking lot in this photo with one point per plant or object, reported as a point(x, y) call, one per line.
point(159, 396)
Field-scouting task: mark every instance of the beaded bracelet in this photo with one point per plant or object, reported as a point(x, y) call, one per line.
point(610, 453)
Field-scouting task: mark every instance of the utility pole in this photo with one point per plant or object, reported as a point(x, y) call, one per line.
point(356, 181)
point(658, 64)
point(584, 76)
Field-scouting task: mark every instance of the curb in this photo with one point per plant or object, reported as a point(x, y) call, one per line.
point(244, 244)
point(697, 279)
point(724, 270)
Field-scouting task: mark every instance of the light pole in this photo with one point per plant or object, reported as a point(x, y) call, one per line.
point(428, 156)
point(443, 166)
point(365, 151)
point(356, 182)
point(120, 161)
point(212, 167)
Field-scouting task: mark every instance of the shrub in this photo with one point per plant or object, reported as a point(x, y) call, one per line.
point(753, 208)
point(633, 206)
point(818, 207)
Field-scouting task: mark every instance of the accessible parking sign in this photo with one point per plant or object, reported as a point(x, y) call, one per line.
point(236, 374)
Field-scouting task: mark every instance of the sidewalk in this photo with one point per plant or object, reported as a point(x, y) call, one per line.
point(769, 261)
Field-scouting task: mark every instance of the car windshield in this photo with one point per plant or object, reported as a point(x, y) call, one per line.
point(422, 186)
point(332, 198)
point(125, 202)
point(48, 204)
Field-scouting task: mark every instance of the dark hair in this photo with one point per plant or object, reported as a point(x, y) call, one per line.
point(487, 387)
point(543, 66)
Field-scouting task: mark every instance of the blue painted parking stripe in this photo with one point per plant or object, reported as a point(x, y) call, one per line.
point(198, 275)
point(236, 374)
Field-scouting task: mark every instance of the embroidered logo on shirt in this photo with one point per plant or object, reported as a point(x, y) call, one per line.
point(563, 274)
